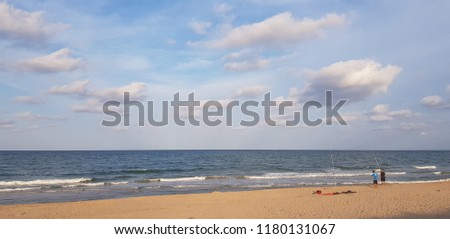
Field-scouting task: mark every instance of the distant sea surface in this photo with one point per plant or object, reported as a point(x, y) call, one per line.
point(59, 176)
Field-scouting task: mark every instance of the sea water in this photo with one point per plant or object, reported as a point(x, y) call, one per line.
point(56, 176)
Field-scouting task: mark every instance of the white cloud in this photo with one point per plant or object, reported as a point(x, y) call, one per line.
point(380, 118)
point(354, 80)
point(171, 42)
point(137, 90)
point(242, 54)
point(279, 30)
point(413, 126)
point(91, 105)
point(352, 116)
point(23, 25)
point(6, 124)
point(244, 60)
point(27, 129)
point(222, 8)
point(94, 103)
point(94, 97)
point(294, 94)
point(251, 91)
point(79, 88)
point(380, 109)
point(57, 61)
point(31, 100)
point(432, 101)
point(193, 64)
point(29, 116)
point(200, 27)
point(382, 113)
point(400, 113)
point(247, 65)
point(384, 128)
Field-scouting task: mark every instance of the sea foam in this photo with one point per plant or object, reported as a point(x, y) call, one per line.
point(425, 167)
point(41, 182)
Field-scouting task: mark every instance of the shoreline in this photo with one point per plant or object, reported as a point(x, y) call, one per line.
point(415, 200)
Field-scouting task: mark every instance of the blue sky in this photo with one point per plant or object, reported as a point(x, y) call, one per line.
point(62, 59)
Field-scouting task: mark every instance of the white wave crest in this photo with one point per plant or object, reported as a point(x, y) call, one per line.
point(422, 181)
point(182, 179)
point(316, 175)
point(43, 182)
point(425, 167)
point(15, 189)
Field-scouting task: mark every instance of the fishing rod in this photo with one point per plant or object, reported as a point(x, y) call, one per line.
point(376, 160)
point(332, 164)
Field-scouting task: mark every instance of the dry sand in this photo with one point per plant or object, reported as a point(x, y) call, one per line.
point(428, 200)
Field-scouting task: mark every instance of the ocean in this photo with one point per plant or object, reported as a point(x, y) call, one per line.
point(60, 176)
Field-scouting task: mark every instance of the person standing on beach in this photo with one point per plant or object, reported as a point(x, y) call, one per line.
point(375, 178)
point(383, 177)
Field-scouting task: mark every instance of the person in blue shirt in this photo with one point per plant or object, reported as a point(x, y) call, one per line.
point(375, 178)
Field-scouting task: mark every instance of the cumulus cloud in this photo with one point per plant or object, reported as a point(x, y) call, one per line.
point(382, 113)
point(95, 97)
point(432, 101)
point(30, 100)
point(354, 80)
point(244, 60)
point(58, 61)
point(251, 91)
point(79, 88)
point(24, 26)
point(137, 90)
point(279, 30)
point(295, 94)
point(200, 27)
point(379, 113)
point(380, 109)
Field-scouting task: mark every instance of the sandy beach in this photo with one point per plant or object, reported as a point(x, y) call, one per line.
point(426, 200)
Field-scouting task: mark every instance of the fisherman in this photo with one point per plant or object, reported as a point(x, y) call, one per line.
point(375, 178)
point(383, 177)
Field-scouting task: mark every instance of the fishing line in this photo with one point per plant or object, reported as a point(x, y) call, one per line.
point(333, 170)
point(376, 160)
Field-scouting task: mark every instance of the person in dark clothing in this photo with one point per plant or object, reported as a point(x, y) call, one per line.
point(383, 177)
